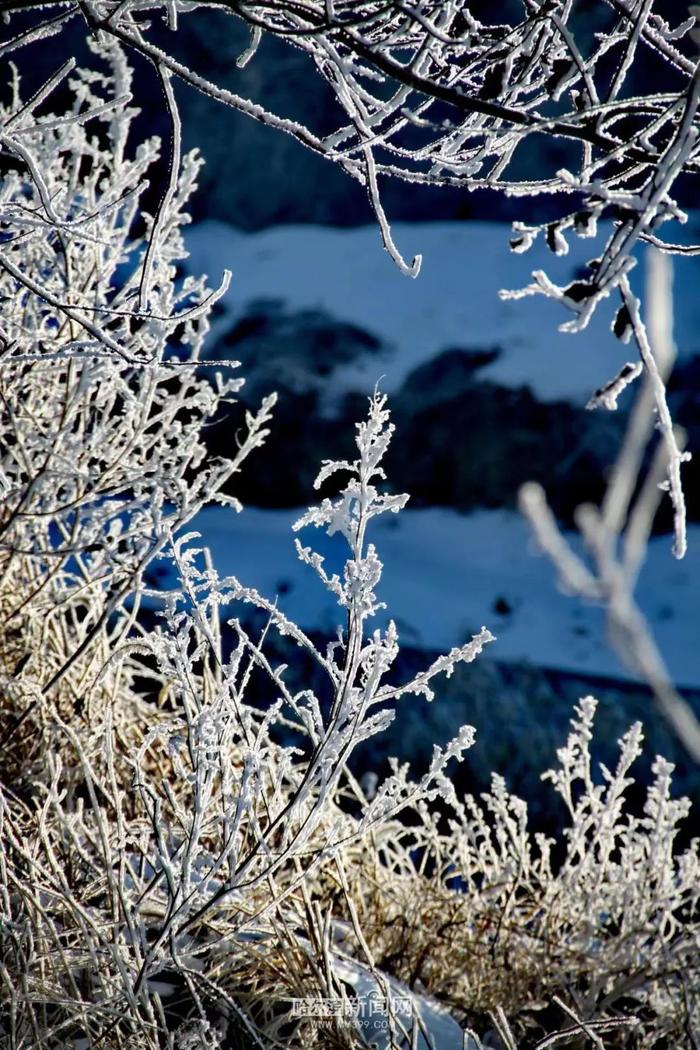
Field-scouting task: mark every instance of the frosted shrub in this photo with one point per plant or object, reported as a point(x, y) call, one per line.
point(224, 830)
point(178, 860)
point(252, 817)
point(101, 452)
point(241, 862)
point(605, 917)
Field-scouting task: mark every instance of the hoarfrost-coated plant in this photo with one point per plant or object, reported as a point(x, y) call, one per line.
point(613, 919)
point(181, 862)
point(248, 807)
point(102, 453)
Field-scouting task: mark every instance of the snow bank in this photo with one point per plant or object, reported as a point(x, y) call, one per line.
point(453, 302)
point(446, 574)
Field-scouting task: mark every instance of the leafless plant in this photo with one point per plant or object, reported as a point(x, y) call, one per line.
point(176, 861)
point(524, 925)
point(616, 534)
point(102, 453)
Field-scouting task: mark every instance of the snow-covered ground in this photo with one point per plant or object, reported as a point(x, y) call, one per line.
point(446, 574)
point(453, 302)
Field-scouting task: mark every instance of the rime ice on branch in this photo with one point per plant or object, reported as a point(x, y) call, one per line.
point(428, 93)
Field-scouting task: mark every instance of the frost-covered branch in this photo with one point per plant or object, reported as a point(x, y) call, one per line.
point(428, 92)
point(185, 856)
point(616, 534)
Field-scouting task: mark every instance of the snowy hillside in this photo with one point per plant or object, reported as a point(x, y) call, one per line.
point(447, 574)
point(453, 302)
